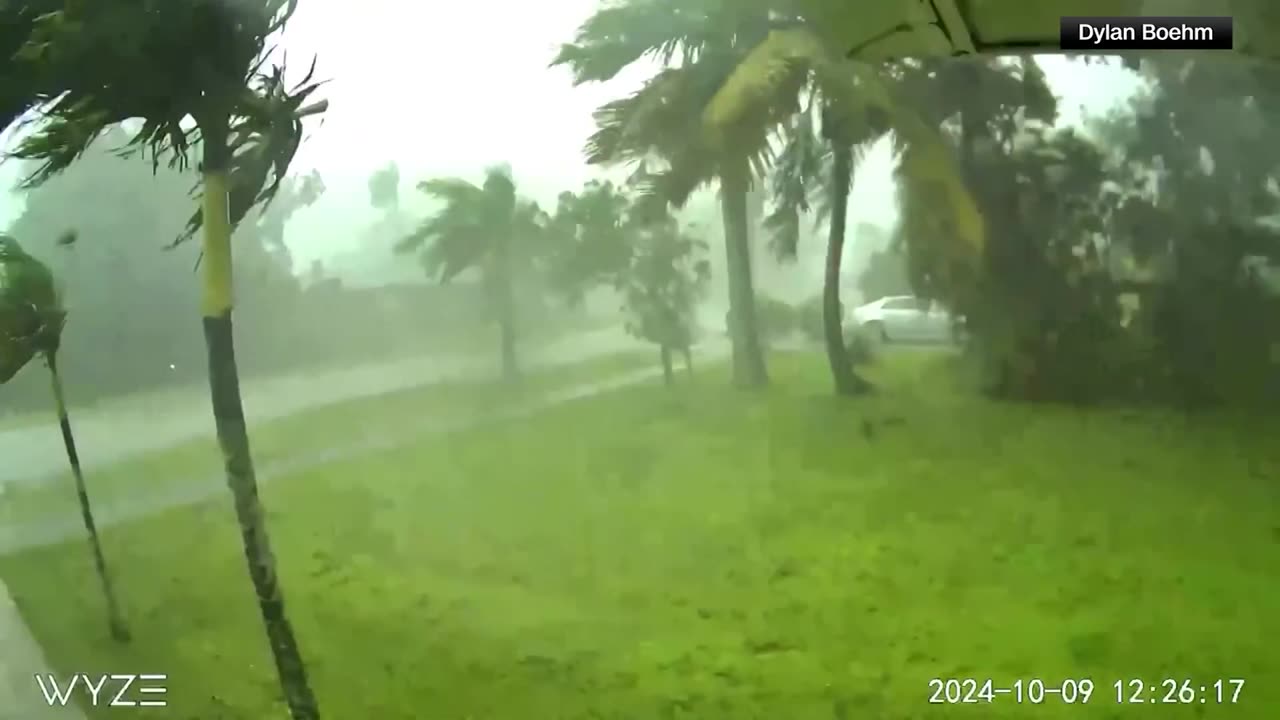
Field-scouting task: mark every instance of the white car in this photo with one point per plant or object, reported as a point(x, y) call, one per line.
point(905, 318)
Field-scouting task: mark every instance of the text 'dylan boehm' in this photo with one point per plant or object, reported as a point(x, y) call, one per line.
point(1104, 34)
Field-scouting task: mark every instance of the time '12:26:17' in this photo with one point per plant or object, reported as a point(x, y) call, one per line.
point(1225, 691)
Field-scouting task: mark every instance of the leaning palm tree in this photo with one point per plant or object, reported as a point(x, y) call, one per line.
point(31, 320)
point(795, 69)
point(665, 126)
point(487, 227)
point(197, 79)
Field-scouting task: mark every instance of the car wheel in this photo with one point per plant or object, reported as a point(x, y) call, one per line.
point(876, 332)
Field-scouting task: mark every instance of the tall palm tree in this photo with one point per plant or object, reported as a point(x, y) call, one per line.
point(667, 123)
point(488, 227)
point(853, 103)
point(198, 81)
point(31, 320)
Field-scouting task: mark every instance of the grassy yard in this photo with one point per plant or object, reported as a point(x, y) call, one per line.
point(720, 555)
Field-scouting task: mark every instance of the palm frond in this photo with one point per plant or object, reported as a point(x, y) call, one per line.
point(791, 179)
point(656, 119)
point(621, 33)
point(31, 311)
point(64, 129)
point(265, 135)
point(763, 88)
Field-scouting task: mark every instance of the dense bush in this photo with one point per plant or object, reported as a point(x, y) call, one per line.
point(809, 319)
point(777, 319)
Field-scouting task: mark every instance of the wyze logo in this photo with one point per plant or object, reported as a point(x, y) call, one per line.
point(115, 690)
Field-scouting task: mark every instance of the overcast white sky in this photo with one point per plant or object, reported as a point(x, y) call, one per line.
point(450, 88)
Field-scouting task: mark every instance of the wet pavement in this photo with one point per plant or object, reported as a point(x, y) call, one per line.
point(117, 430)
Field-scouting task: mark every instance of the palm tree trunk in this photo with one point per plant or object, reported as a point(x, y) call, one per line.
point(115, 620)
point(749, 369)
point(233, 435)
point(504, 296)
point(664, 356)
point(847, 381)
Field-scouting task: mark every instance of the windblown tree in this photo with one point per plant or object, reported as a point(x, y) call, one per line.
point(601, 236)
point(196, 77)
point(661, 285)
point(1204, 133)
point(835, 107)
point(486, 227)
point(589, 240)
point(31, 321)
point(666, 127)
point(384, 188)
point(982, 106)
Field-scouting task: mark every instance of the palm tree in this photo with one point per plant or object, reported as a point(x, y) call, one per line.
point(794, 69)
point(199, 82)
point(670, 123)
point(488, 227)
point(31, 322)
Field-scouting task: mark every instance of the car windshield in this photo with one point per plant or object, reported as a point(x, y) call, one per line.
point(523, 361)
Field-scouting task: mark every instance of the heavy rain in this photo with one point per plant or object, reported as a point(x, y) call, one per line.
point(714, 359)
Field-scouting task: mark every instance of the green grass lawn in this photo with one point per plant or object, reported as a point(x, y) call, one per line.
point(718, 555)
point(315, 431)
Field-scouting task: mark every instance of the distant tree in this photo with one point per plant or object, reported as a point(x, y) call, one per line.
point(384, 187)
point(488, 227)
point(661, 284)
point(31, 322)
point(606, 236)
point(590, 239)
point(129, 289)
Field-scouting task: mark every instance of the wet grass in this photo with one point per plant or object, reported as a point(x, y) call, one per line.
point(720, 555)
point(314, 431)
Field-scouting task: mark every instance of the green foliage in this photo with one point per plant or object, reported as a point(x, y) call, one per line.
point(730, 534)
point(591, 238)
point(384, 187)
point(1096, 288)
point(810, 319)
point(604, 236)
point(31, 312)
point(662, 283)
point(778, 319)
point(477, 225)
point(200, 61)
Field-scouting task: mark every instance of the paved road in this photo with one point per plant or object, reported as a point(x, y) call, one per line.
point(117, 430)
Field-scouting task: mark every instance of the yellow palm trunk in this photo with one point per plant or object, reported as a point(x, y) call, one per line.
point(233, 438)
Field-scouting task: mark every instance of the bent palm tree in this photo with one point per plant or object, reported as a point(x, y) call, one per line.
point(667, 122)
point(199, 82)
point(31, 322)
point(856, 105)
point(485, 226)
